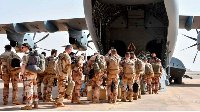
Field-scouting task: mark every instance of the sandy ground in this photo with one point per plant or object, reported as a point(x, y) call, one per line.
point(184, 97)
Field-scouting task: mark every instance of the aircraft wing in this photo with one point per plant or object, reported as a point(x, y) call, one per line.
point(45, 26)
point(189, 22)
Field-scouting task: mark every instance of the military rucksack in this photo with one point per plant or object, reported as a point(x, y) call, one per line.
point(99, 64)
point(129, 67)
point(139, 66)
point(42, 62)
point(51, 65)
point(34, 62)
point(148, 69)
point(113, 67)
point(156, 68)
point(12, 63)
point(58, 66)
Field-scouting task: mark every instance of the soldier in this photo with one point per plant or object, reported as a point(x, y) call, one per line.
point(29, 77)
point(77, 74)
point(157, 67)
point(148, 75)
point(98, 65)
point(113, 77)
point(8, 72)
point(64, 74)
point(40, 77)
point(153, 58)
point(127, 76)
point(49, 76)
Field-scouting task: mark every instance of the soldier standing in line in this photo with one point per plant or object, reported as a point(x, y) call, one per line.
point(157, 67)
point(148, 75)
point(97, 64)
point(77, 73)
point(8, 72)
point(64, 73)
point(29, 77)
point(50, 71)
point(127, 76)
point(40, 77)
point(113, 74)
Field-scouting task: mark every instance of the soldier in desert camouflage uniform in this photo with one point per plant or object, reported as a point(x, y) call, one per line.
point(48, 81)
point(30, 83)
point(40, 77)
point(113, 74)
point(77, 74)
point(64, 74)
point(7, 74)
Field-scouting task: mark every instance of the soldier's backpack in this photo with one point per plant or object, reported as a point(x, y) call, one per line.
point(51, 65)
point(156, 68)
point(139, 66)
point(135, 87)
point(129, 67)
point(42, 62)
point(113, 67)
point(34, 62)
point(112, 87)
point(99, 64)
point(58, 66)
point(12, 63)
point(149, 69)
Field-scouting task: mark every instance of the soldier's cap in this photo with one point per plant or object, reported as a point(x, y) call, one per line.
point(113, 51)
point(158, 60)
point(26, 45)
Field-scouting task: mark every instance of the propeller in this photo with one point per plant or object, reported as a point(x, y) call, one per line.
point(43, 49)
point(189, 47)
point(195, 56)
point(42, 38)
point(34, 36)
point(193, 44)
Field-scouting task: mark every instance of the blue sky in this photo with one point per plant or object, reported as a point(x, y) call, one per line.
point(13, 11)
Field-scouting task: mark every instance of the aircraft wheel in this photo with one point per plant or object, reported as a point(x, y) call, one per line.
point(179, 80)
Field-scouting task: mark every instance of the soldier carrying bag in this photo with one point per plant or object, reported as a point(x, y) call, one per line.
point(13, 63)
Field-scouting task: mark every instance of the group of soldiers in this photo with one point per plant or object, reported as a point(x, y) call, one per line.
point(101, 70)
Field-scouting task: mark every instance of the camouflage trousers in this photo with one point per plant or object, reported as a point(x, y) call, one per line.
point(137, 80)
point(112, 78)
point(129, 94)
point(30, 87)
point(77, 90)
point(62, 90)
point(14, 79)
point(149, 85)
point(155, 83)
point(40, 78)
point(48, 86)
point(96, 83)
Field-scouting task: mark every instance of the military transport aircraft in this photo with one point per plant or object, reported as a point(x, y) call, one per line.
point(152, 25)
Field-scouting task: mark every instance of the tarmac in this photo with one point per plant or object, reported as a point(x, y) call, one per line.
point(178, 97)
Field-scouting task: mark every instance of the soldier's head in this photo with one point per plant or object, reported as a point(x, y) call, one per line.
point(127, 55)
point(68, 49)
point(113, 52)
point(8, 47)
point(132, 54)
point(145, 59)
point(153, 54)
point(53, 52)
point(158, 60)
point(25, 47)
point(44, 54)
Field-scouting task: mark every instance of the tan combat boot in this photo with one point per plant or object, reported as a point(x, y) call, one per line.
point(5, 103)
point(16, 102)
point(109, 100)
point(135, 97)
point(26, 107)
point(35, 103)
point(24, 100)
point(123, 100)
point(49, 100)
point(60, 105)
